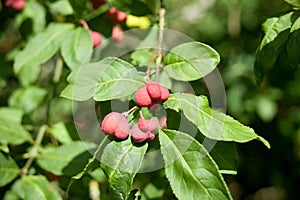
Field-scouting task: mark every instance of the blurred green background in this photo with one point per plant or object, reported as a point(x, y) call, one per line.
point(233, 28)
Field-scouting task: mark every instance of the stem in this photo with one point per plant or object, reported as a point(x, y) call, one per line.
point(149, 66)
point(58, 70)
point(162, 13)
point(33, 152)
point(129, 111)
point(84, 24)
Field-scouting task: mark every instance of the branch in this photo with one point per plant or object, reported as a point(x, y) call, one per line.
point(162, 13)
point(34, 150)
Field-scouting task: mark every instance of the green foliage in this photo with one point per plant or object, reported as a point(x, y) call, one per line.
point(191, 61)
point(121, 161)
point(51, 56)
point(189, 168)
point(38, 187)
point(212, 124)
point(9, 170)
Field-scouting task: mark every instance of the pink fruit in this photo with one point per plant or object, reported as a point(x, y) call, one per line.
point(121, 16)
point(138, 135)
point(97, 3)
point(163, 122)
point(151, 136)
point(96, 37)
point(117, 16)
point(15, 4)
point(115, 124)
point(123, 129)
point(142, 97)
point(147, 125)
point(164, 93)
point(154, 91)
point(117, 34)
point(110, 122)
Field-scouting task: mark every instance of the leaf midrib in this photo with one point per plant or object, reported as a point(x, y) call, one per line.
point(192, 105)
point(177, 152)
point(41, 47)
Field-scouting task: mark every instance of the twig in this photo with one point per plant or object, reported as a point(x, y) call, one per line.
point(162, 13)
point(149, 66)
point(33, 152)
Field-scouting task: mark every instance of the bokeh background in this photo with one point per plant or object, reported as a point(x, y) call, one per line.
point(233, 28)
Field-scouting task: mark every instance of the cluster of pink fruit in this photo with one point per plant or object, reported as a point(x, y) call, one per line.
point(15, 4)
point(117, 18)
point(147, 96)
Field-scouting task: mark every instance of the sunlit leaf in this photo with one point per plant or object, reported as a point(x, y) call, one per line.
point(28, 98)
point(60, 160)
point(38, 187)
point(9, 170)
point(191, 61)
point(294, 3)
point(213, 124)
point(12, 132)
point(77, 47)
point(110, 78)
point(191, 171)
point(276, 33)
point(42, 46)
point(121, 161)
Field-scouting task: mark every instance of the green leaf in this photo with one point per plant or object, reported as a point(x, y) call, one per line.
point(9, 170)
point(77, 47)
point(36, 12)
point(191, 61)
point(191, 171)
point(110, 78)
point(121, 161)
point(91, 165)
point(11, 114)
point(12, 132)
point(78, 6)
point(152, 192)
point(294, 3)
point(42, 46)
point(28, 75)
point(213, 124)
point(38, 187)
point(276, 33)
point(293, 49)
point(28, 98)
point(60, 132)
point(136, 7)
point(58, 160)
point(16, 191)
point(62, 7)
